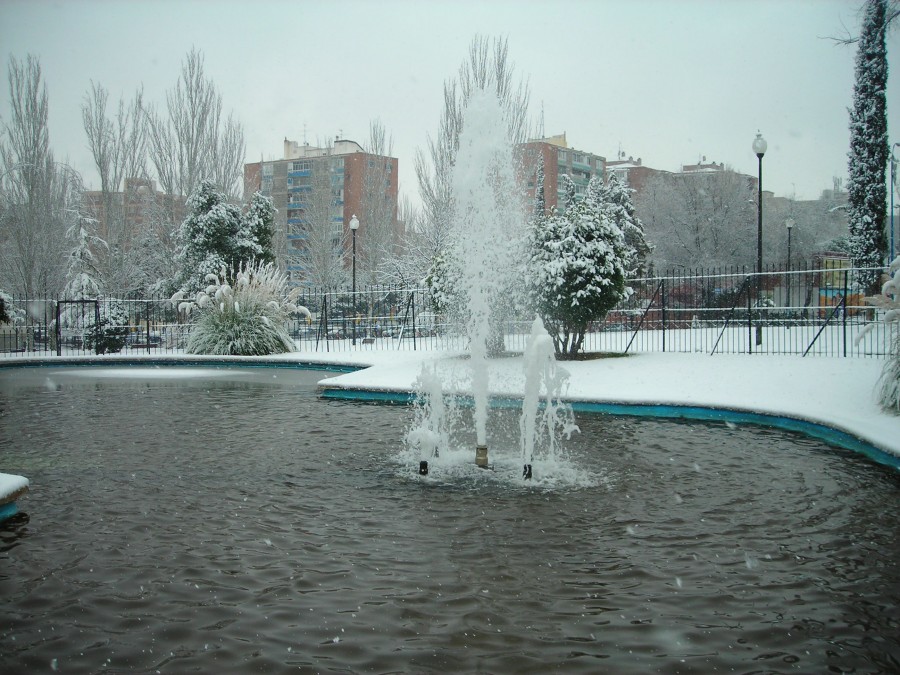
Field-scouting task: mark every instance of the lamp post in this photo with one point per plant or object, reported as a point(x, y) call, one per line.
point(759, 147)
point(789, 224)
point(354, 226)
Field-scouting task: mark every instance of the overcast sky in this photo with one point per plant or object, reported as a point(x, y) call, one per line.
point(669, 81)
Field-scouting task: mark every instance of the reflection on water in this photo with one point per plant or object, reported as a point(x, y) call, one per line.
point(238, 523)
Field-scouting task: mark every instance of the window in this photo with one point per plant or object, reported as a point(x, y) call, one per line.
point(299, 166)
point(268, 170)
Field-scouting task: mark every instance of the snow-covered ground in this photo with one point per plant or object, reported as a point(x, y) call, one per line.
point(837, 392)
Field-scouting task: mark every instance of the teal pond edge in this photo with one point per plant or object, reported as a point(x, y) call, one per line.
point(8, 510)
point(836, 437)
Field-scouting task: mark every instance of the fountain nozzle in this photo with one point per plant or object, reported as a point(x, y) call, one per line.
point(481, 459)
point(423, 468)
point(526, 472)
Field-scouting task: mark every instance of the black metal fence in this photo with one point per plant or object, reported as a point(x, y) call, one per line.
point(808, 312)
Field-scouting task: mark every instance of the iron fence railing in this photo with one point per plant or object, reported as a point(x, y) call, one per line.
point(805, 312)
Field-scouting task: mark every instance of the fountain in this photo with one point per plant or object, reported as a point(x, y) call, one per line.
point(486, 234)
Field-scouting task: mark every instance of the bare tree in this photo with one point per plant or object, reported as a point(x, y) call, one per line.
point(317, 245)
point(487, 66)
point(40, 198)
point(119, 150)
point(379, 241)
point(699, 220)
point(409, 265)
point(191, 141)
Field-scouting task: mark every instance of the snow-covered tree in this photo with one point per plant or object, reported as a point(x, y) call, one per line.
point(377, 242)
point(579, 264)
point(119, 148)
point(869, 147)
point(8, 311)
point(191, 142)
point(38, 196)
point(615, 200)
point(319, 239)
point(540, 199)
point(487, 67)
point(84, 282)
point(699, 220)
point(83, 278)
point(888, 301)
point(569, 189)
point(247, 319)
point(260, 221)
point(216, 234)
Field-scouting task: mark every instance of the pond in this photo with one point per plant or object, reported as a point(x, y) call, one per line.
point(228, 520)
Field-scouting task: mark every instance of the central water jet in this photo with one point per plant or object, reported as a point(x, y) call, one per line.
point(487, 224)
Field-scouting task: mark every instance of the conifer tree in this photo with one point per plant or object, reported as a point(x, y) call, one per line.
point(540, 200)
point(578, 270)
point(260, 219)
point(869, 147)
point(215, 235)
point(615, 199)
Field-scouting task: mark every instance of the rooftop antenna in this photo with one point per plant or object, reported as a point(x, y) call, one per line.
point(304, 134)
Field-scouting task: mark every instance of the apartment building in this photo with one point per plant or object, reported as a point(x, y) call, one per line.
point(559, 159)
point(310, 185)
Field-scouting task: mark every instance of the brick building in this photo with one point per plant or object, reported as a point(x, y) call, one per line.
point(559, 159)
point(125, 215)
point(356, 183)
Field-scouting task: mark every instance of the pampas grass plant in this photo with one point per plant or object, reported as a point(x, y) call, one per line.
point(244, 317)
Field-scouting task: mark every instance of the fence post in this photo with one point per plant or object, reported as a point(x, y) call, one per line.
point(749, 322)
point(147, 314)
point(412, 298)
point(56, 329)
point(664, 315)
point(844, 316)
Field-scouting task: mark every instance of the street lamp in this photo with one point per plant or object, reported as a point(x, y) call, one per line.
point(354, 226)
point(759, 147)
point(789, 224)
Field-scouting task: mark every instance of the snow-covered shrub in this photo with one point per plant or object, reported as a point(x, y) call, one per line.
point(889, 301)
point(579, 263)
point(8, 313)
point(247, 318)
point(109, 337)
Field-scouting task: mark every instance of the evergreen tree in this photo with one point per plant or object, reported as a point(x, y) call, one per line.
point(82, 275)
point(540, 200)
point(215, 235)
point(615, 199)
point(869, 147)
point(569, 190)
point(578, 262)
point(260, 220)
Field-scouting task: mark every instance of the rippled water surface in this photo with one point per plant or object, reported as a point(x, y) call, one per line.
point(229, 521)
